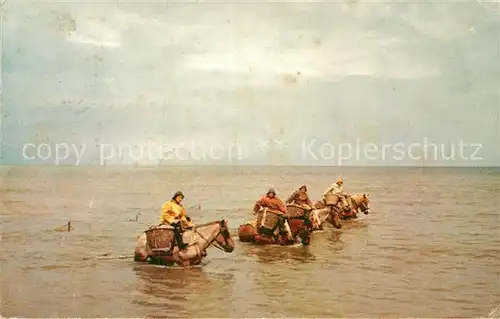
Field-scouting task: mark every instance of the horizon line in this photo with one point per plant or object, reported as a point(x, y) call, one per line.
point(236, 165)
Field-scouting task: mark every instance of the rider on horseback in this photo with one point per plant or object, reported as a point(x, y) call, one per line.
point(174, 214)
point(273, 203)
point(300, 198)
point(337, 188)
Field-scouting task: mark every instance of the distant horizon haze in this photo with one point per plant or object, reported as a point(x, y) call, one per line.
point(130, 73)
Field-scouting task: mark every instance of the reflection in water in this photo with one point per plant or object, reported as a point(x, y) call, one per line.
point(271, 254)
point(164, 289)
point(334, 237)
point(172, 291)
point(354, 223)
point(403, 261)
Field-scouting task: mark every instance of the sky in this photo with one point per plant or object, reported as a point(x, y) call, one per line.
point(251, 83)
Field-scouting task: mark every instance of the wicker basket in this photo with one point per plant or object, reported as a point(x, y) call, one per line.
point(270, 221)
point(159, 237)
point(331, 199)
point(293, 211)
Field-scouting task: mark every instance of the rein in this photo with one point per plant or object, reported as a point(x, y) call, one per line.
point(213, 242)
point(360, 205)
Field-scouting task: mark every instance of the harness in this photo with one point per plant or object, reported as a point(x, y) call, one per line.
point(178, 240)
point(280, 224)
point(225, 234)
point(306, 217)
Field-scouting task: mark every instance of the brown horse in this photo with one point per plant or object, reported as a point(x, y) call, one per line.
point(356, 202)
point(198, 239)
point(359, 201)
point(271, 231)
point(327, 214)
point(316, 216)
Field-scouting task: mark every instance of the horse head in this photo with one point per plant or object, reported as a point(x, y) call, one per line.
point(361, 202)
point(224, 238)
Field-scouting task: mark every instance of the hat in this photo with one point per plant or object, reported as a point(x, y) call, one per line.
point(340, 181)
point(271, 190)
point(179, 193)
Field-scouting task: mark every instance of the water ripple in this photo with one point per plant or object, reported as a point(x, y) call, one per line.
point(418, 256)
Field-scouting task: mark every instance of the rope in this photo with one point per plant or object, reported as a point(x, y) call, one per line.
point(214, 243)
point(108, 257)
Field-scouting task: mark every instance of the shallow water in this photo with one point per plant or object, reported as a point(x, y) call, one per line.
point(430, 248)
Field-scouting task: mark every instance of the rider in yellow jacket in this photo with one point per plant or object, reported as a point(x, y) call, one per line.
point(172, 212)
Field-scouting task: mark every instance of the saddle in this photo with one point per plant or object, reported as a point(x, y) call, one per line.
point(164, 238)
point(270, 222)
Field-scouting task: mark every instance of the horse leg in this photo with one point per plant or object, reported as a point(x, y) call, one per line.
point(159, 260)
point(305, 235)
point(174, 259)
point(141, 252)
point(262, 240)
point(347, 204)
point(186, 263)
point(302, 229)
point(140, 257)
point(284, 240)
point(295, 225)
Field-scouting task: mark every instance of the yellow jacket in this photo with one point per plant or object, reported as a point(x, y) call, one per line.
point(171, 211)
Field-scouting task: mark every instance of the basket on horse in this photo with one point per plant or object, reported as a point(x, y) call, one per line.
point(270, 221)
point(160, 237)
point(297, 212)
point(331, 199)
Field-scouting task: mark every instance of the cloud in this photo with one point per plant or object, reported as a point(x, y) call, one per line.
point(251, 60)
point(326, 62)
point(124, 72)
point(100, 42)
point(278, 46)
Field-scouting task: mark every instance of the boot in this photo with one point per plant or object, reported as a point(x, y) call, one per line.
point(178, 235)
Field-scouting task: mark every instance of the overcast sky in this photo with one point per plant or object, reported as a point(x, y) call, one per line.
point(222, 73)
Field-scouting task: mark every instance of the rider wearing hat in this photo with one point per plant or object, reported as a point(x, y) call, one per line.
point(300, 197)
point(337, 188)
point(172, 212)
point(271, 202)
point(274, 204)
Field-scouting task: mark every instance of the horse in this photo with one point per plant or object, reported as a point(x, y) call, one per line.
point(356, 201)
point(327, 214)
point(296, 213)
point(268, 229)
point(359, 201)
point(197, 239)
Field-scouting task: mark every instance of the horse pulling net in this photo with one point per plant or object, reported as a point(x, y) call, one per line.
point(160, 237)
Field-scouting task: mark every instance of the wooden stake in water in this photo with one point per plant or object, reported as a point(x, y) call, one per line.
point(66, 227)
